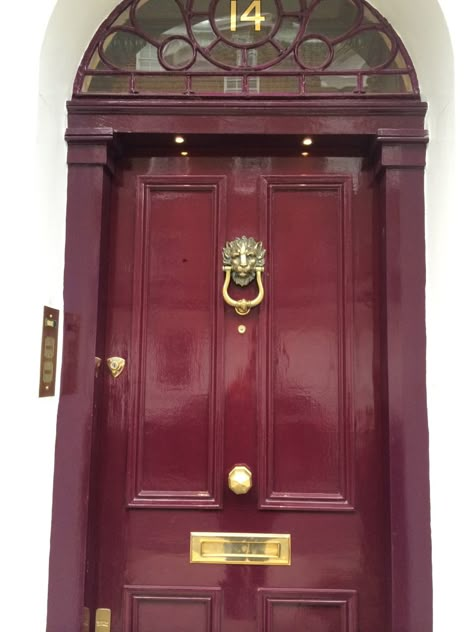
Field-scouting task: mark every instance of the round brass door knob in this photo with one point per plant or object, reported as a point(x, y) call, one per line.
point(240, 479)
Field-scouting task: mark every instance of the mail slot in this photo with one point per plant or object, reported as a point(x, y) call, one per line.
point(266, 549)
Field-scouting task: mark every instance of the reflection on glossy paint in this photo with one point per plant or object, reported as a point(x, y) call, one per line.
point(285, 399)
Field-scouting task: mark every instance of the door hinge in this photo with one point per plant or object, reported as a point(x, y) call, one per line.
point(103, 617)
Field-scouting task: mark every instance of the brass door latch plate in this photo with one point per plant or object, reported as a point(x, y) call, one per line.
point(49, 352)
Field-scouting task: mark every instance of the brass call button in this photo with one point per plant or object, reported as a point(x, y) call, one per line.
point(264, 549)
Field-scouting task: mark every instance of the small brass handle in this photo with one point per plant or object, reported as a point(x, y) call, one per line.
point(116, 366)
point(242, 307)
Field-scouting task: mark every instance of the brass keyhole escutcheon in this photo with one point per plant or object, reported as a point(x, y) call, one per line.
point(240, 479)
point(116, 366)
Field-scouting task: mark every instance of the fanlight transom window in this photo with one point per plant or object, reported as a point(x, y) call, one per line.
point(246, 47)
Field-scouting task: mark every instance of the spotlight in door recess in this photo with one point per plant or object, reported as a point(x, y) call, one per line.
point(307, 141)
point(179, 139)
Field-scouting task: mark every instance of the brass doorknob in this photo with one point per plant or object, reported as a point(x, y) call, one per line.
point(240, 479)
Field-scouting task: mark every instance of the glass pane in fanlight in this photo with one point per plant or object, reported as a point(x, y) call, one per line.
point(332, 18)
point(367, 49)
point(262, 55)
point(225, 54)
point(287, 63)
point(221, 84)
point(177, 53)
point(398, 63)
point(245, 30)
point(95, 61)
point(291, 6)
point(162, 84)
point(330, 84)
point(202, 31)
point(160, 18)
point(313, 53)
point(288, 31)
point(279, 85)
point(147, 59)
point(106, 84)
point(386, 84)
point(121, 49)
point(123, 19)
point(201, 6)
point(369, 17)
point(203, 65)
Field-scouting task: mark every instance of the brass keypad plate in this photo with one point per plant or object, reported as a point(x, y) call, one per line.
point(264, 549)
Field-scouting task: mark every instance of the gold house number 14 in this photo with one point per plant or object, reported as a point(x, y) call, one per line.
point(251, 14)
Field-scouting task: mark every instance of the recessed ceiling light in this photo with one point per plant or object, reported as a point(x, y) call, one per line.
point(178, 139)
point(305, 153)
point(307, 141)
point(184, 153)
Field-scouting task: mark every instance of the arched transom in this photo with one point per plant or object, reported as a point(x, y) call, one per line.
point(246, 47)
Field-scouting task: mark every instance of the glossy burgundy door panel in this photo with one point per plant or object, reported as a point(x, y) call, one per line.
point(177, 398)
point(295, 398)
point(307, 444)
point(169, 609)
point(281, 610)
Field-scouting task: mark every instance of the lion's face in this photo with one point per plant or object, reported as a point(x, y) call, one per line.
point(243, 255)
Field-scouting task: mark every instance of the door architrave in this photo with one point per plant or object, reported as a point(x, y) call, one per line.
point(394, 129)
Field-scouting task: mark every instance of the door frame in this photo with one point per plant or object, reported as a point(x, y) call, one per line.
point(393, 129)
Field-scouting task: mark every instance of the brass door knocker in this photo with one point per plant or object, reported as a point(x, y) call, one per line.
point(244, 260)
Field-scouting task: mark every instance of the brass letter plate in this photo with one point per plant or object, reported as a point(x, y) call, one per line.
point(265, 549)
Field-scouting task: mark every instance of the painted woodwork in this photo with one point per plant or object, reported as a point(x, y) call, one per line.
point(400, 165)
point(281, 610)
point(175, 304)
point(90, 160)
point(309, 229)
point(323, 396)
point(189, 609)
point(401, 160)
point(288, 415)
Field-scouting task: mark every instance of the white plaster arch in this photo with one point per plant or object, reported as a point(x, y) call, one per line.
point(423, 28)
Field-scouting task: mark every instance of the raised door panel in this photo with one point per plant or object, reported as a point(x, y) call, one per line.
point(281, 610)
point(307, 438)
point(167, 609)
point(176, 443)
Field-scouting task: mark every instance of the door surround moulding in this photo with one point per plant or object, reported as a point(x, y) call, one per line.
point(394, 130)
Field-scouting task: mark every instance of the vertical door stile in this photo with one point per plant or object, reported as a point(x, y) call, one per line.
point(264, 366)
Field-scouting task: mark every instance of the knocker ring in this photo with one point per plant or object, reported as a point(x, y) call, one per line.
point(244, 260)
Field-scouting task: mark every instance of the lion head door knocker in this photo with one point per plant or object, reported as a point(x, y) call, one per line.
point(244, 260)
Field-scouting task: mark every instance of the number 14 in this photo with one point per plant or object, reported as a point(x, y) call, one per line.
point(257, 18)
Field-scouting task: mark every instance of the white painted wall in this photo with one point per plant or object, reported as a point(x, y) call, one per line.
point(43, 55)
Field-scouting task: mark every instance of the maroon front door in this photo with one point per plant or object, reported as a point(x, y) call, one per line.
point(292, 391)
